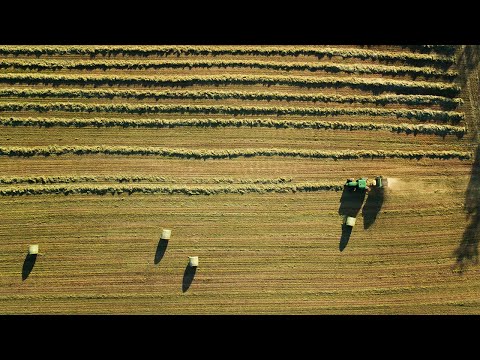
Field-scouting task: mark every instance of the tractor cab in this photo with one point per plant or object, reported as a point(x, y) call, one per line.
point(360, 184)
point(381, 182)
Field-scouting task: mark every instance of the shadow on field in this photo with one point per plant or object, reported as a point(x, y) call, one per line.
point(351, 202)
point(469, 58)
point(188, 276)
point(346, 232)
point(372, 206)
point(160, 252)
point(350, 205)
point(467, 251)
point(28, 265)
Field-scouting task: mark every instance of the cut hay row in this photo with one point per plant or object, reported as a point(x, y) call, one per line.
point(444, 102)
point(422, 115)
point(51, 65)
point(432, 129)
point(439, 49)
point(78, 179)
point(132, 179)
point(172, 189)
point(366, 84)
point(319, 52)
point(228, 153)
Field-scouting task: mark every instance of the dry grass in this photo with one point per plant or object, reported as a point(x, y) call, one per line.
point(441, 130)
point(39, 65)
point(204, 154)
point(422, 115)
point(269, 236)
point(320, 52)
point(430, 100)
point(376, 85)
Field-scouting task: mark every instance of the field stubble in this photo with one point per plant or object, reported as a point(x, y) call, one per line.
point(412, 251)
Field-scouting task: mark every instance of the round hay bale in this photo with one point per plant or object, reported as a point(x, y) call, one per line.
point(350, 221)
point(33, 249)
point(193, 261)
point(166, 234)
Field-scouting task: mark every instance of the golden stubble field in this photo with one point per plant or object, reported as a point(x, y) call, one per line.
point(264, 245)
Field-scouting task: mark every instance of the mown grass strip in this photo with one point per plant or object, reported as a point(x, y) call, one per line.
point(431, 129)
point(171, 189)
point(131, 179)
point(52, 65)
point(366, 84)
point(422, 115)
point(228, 153)
point(439, 49)
point(430, 100)
point(318, 51)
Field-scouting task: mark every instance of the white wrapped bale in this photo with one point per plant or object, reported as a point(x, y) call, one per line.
point(350, 221)
point(33, 249)
point(166, 234)
point(193, 261)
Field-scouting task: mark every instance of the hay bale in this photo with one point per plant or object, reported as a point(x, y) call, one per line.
point(193, 261)
point(166, 234)
point(33, 249)
point(350, 221)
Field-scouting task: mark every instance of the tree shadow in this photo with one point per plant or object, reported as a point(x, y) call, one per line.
point(351, 202)
point(372, 206)
point(472, 56)
point(28, 265)
point(188, 276)
point(469, 59)
point(160, 252)
point(467, 251)
point(346, 232)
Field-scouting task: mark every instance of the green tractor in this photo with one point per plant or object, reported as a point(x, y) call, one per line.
point(363, 184)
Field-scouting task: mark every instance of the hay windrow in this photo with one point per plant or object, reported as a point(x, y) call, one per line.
point(422, 115)
point(203, 154)
point(40, 65)
point(444, 102)
point(375, 85)
point(320, 52)
point(431, 129)
point(171, 189)
point(133, 179)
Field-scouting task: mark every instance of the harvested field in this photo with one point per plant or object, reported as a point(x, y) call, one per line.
point(242, 151)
